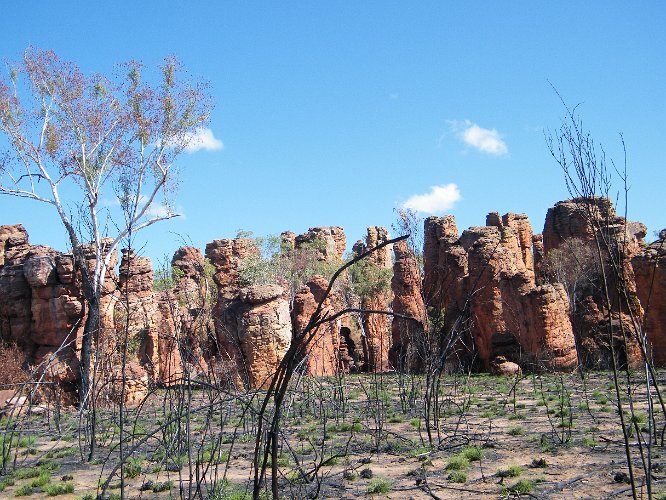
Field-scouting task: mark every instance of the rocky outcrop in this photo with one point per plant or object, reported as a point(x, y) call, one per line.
point(407, 334)
point(571, 225)
point(484, 276)
point(330, 242)
point(225, 257)
point(376, 340)
point(258, 333)
point(444, 265)
point(136, 313)
point(194, 295)
point(581, 217)
point(322, 353)
point(15, 293)
point(547, 332)
point(649, 268)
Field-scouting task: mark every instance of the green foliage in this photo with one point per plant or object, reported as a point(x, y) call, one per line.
point(160, 487)
point(511, 471)
point(54, 490)
point(457, 462)
point(167, 279)
point(368, 279)
point(472, 453)
point(380, 486)
point(278, 263)
point(133, 467)
point(516, 431)
point(457, 477)
point(41, 480)
point(522, 487)
point(23, 491)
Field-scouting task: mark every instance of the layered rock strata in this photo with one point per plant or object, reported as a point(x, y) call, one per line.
point(258, 333)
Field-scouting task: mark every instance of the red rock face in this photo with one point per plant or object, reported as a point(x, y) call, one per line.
point(225, 256)
point(258, 333)
point(136, 312)
point(547, 332)
point(537, 246)
point(376, 341)
point(15, 293)
point(487, 272)
point(194, 295)
point(444, 264)
point(523, 230)
point(649, 268)
point(57, 306)
point(321, 355)
point(572, 219)
point(582, 219)
point(407, 335)
point(330, 242)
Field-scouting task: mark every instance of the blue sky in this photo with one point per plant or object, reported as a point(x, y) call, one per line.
point(336, 113)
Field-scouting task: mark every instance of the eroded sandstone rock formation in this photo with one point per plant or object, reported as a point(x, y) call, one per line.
point(649, 267)
point(322, 355)
point(593, 222)
point(376, 338)
point(483, 275)
point(258, 333)
point(407, 334)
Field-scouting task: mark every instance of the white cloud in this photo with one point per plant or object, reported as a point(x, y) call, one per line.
point(159, 210)
point(484, 139)
point(202, 138)
point(438, 200)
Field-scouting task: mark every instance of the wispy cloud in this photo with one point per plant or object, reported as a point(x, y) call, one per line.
point(202, 138)
point(483, 139)
point(438, 200)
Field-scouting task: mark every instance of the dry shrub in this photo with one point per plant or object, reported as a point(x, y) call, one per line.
point(11, 360)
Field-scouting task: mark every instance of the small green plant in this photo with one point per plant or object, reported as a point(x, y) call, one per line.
point(380, 485)
point(473, 453)
point(457, 476)
point(8, 481)
point(516, 430)
point(133, 467)
point(522, 487)
point(457, 462)
point(54, 490)
point(42, 480)
point(160, 487)
point(23, 491)
point(510, 471)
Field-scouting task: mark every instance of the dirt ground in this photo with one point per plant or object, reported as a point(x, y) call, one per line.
point(355, 436)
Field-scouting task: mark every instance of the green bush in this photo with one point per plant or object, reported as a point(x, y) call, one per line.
point(522, 487)
point(457, 462)
point(133, 467)
point(379, 486)
point(511, 471)
point(53, 490)
point(473, 453)
point(457, 476)
point(42, 480)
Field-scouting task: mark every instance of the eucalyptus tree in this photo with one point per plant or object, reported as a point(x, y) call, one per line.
point(101, 151)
